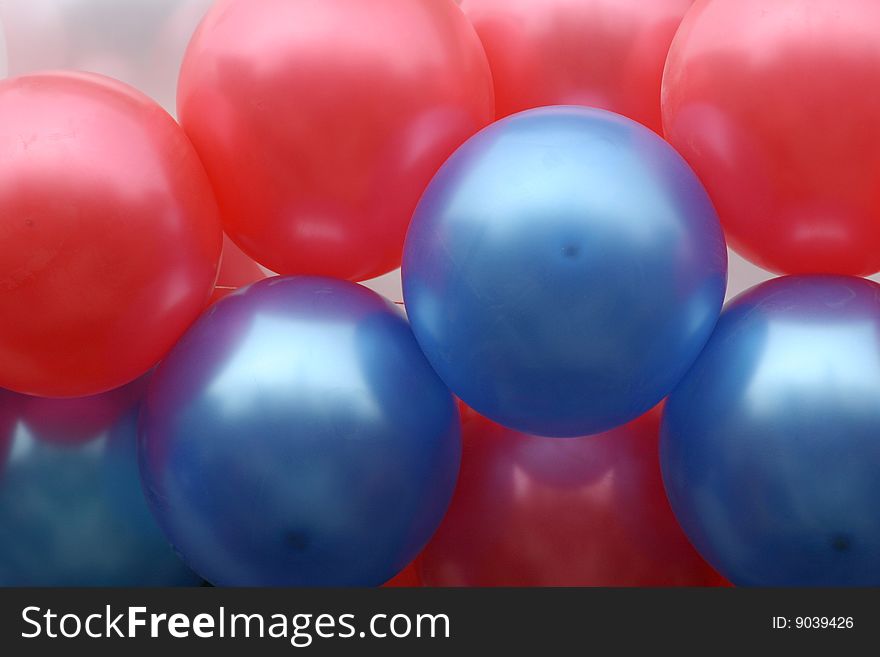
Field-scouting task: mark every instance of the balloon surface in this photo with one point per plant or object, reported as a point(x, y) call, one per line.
point(589, 511)
point(563, 270)
point(72, 512)
point(321, 123)
point(601, 53)
point(775, 103)
point(110, 237)
point(771, 444)
point(140, 42)
point(297, 436)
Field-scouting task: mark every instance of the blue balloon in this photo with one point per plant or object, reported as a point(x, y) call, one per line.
point(296, 436)
point(563, 270)
point(771, 443)
point(72, 512)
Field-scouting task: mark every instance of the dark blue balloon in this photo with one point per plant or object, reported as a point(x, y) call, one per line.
point(72, 512)
point(771, 444)
point(563, 270)
point(297, 436)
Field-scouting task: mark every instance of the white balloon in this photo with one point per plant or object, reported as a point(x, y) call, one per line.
point(140, 42)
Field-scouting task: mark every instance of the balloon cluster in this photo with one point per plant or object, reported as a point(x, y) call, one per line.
point(564, 403)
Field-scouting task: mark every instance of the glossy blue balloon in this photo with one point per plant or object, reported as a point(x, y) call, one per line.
point(72, 512)
point(563, 270)
point(771, 444)
point(296, 436)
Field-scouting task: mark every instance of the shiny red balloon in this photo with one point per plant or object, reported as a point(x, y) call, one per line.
point(109, 238)
point(587, 511)
point(775, 103)
point(602, 53)
point(321, 123)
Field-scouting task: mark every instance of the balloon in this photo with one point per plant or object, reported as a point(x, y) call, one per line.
point(321, 123)
point(775, 104)
point(140, 42)
point(602, 53)
point(110, 238)
point(771, 444)
point(72, 512)
point(563, 270)
point(589, 511)
point(296, 436)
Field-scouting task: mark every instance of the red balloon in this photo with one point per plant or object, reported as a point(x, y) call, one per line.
point(321, 123)
point(602, 53)
point(775, 103)
point(109, 238)
point(587, 511)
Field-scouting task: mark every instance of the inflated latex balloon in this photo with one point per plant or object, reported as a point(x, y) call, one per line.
point(775, 104)
point(297, 436)
point(563, 270)
point(771, 444)
point(588, 511)
point(72, 512)
point(601, 53)
point(140, 42)
point(110, 238)
point(321, 123)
